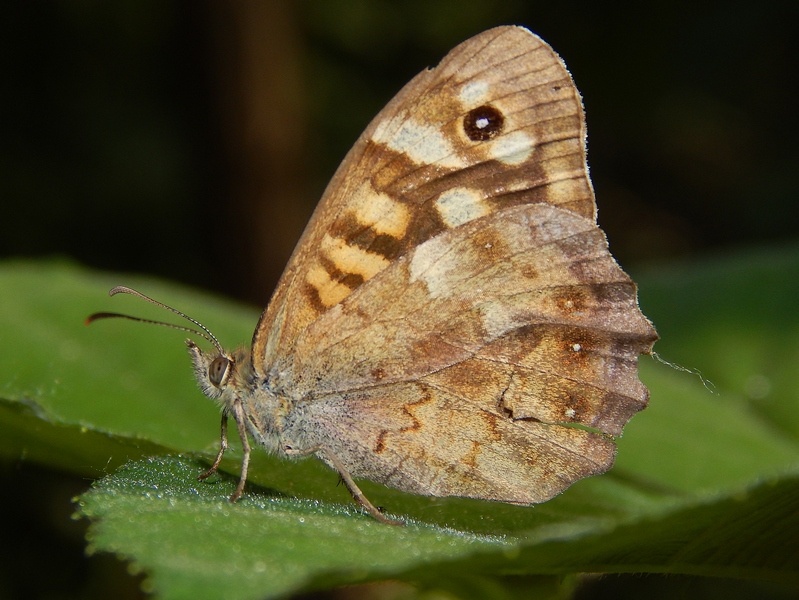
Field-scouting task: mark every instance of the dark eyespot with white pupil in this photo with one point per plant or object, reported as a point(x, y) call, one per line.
point(483, 123)
point(217, 370)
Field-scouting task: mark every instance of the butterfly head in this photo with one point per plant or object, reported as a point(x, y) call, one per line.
point(221, 374)
point(213, 370)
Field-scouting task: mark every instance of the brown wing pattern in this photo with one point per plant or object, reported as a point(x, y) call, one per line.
point(498, 123)
point(434, 443)
point(452, 322)
point(521, 318)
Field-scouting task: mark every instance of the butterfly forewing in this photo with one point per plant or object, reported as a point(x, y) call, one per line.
point(497, 124)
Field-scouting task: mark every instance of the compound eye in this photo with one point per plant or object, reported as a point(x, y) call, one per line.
point(217, 370)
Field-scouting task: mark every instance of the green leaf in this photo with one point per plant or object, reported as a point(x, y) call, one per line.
point(704, 483)
point(262, 545)
point(197, 544)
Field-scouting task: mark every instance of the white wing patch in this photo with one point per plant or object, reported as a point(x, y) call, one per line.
point(473, 94)
point(497, 319)
point(513, 148)
point(423, 144)
point(461, 205)
point(427, 264)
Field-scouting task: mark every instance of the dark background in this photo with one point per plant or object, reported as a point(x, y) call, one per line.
point(191, 140)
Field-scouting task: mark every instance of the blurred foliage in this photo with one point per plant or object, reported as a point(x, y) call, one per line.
point(134, 137)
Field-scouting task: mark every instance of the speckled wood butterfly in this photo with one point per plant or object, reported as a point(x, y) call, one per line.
point(451, 322)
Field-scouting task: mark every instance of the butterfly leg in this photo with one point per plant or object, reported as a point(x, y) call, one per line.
point(353, 488)
point(238, 415)
point(222, 447)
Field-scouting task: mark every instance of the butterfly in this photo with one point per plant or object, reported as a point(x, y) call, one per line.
point(451, 322)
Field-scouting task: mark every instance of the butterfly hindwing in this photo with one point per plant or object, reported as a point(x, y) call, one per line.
point(521, 317)
point(423, 439)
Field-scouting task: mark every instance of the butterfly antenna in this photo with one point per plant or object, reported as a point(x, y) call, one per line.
point(121, 289)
